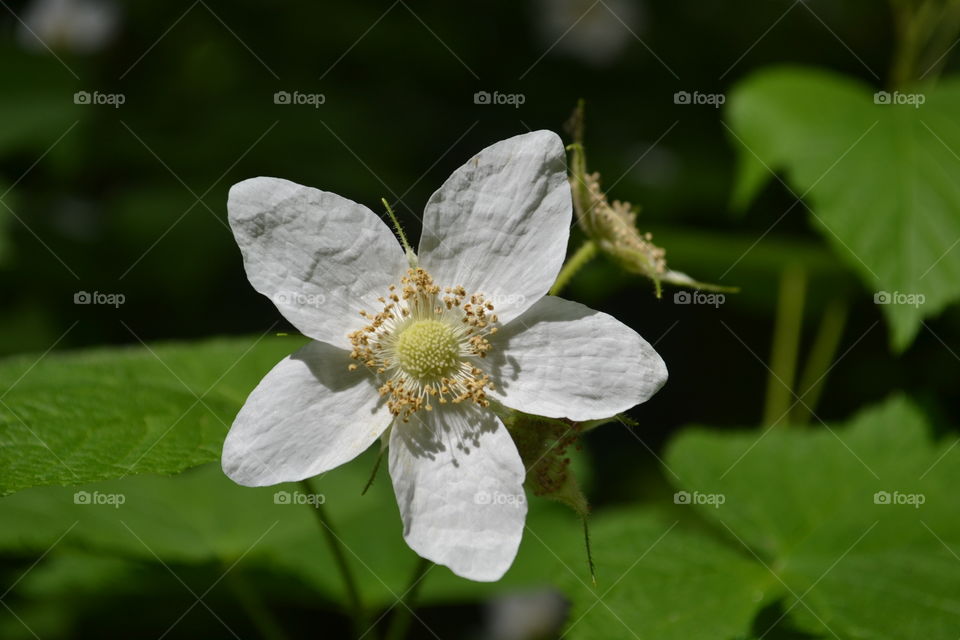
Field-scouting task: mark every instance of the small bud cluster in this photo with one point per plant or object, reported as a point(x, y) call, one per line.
point(613, 227)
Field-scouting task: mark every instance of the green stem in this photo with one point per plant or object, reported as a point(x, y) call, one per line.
point(373, 474)
point(583, 255)
point(407, 249)
point(821, 358)
point(253, 605)
point(786, 344)
point(908, 26)
point(340, 558)
point(586, 542)
point(403, 611)
point(941, 41)
point(924, 32)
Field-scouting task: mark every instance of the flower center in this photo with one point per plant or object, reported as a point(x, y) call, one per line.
point(428, 349)
point(425, 344)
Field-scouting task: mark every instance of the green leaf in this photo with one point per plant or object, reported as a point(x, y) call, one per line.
point(806, 503)
point(658, 580)
point(883, 180)
point(200, 517)
point(786, 534)
point(109, 414)
point(79, 417)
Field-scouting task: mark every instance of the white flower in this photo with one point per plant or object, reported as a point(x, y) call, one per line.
point(427, 356)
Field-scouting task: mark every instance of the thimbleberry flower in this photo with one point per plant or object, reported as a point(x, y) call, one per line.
point(428, 351)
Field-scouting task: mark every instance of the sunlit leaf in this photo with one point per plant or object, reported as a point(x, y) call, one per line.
point(881, 175)
point(79, 417)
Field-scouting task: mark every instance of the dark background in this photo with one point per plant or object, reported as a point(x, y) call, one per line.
point(132, 199)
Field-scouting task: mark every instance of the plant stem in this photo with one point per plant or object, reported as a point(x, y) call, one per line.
point(340, 558)
point(407, 249)
point(583, 255)
point(821, 358)
point(586, 542)
point(786, 344)
point(400, 621)
point(253, 605)
point(922, 30)
point(940, 42)
point(373, 474)
point(908, 25)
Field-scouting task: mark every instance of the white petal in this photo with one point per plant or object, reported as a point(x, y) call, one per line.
point(308, 415)
point(561, 359)
point(499, 225)
point(319, 257)
point(463, 508)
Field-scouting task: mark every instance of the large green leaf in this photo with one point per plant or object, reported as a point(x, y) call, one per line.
point(108, 413)
point(883, 180)
point(657, 579)
point(833, 514)
point(200, 517)
point(786, 534)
